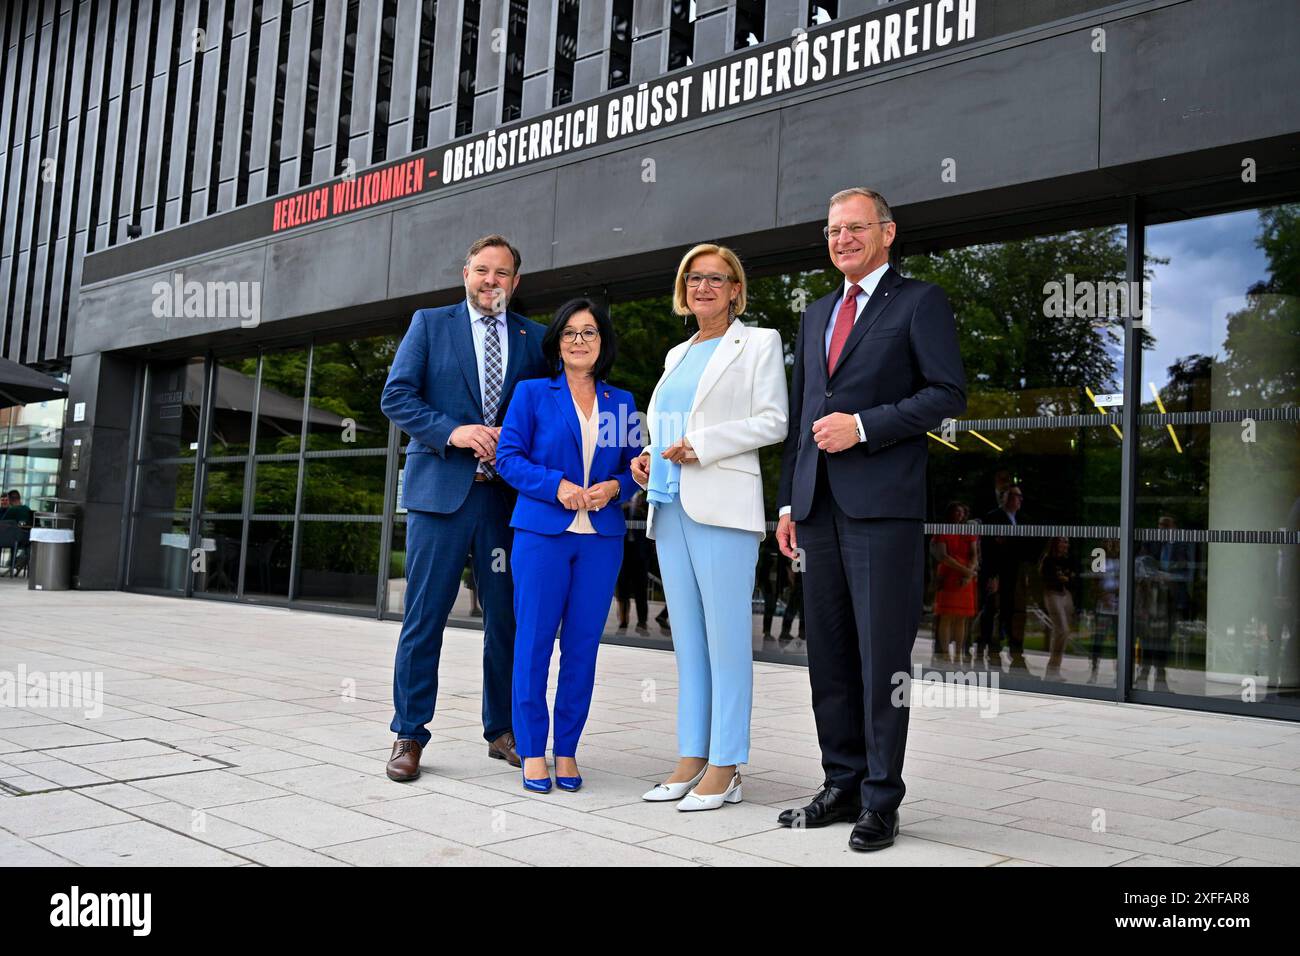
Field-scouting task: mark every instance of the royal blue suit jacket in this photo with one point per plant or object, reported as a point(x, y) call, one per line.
point(541, 443)
point(433, 388)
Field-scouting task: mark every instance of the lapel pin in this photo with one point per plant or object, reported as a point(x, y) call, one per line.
point(606, 394)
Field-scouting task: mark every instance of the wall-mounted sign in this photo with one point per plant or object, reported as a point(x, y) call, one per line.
point(834, 51)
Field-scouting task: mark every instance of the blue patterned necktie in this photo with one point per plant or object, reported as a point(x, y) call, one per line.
point(491, 380)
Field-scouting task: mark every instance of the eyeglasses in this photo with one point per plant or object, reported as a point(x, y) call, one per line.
point(855, 229)
point(569, 336)
point(714, 279)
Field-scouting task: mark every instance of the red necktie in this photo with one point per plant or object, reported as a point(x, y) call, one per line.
point(843, 326)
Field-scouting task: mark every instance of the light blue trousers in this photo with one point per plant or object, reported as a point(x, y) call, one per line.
point(708, 575)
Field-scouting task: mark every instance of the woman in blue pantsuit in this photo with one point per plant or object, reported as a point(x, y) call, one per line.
point(566, 445)
point(722, 396)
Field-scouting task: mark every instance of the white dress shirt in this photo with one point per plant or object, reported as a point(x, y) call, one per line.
point(581, 523)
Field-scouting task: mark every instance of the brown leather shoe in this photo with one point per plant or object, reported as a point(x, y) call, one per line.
point(404, 764)
point(503, 748)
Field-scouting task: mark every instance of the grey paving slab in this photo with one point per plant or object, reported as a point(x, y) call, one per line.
point(45, 813)
point(219, 746)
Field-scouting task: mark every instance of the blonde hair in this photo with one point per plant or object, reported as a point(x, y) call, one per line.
point(709, 249)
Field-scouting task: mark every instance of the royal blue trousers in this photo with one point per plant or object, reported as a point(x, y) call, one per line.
point(437, 546)
point(563, 583)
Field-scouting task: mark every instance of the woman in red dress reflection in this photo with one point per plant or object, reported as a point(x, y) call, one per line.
point(957, 557)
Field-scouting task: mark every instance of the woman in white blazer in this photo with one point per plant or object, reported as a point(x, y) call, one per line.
point(722, 397)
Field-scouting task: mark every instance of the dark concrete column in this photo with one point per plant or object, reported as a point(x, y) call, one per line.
point(106, 384)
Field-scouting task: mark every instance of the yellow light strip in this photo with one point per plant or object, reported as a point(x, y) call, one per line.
point(942, 442)
point(984, 440)
point(1169, 425)
point(1105, 411)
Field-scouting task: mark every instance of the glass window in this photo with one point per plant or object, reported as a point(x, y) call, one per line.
point(160, 553)
point(232, 411)
point(1218, 455)
point(1040, 321)
point(347, 381)
point(339, 562)
point(218, 570)
point(172, 409)
point(270, 551)
point(280, 404)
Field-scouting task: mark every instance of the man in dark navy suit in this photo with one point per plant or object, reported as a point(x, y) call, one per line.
point(876, 366)
point(448, 389)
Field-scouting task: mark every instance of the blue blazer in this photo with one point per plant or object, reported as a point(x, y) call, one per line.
point(432, 388)
point(541, 442)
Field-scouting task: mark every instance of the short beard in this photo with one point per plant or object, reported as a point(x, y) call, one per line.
point(501, 300)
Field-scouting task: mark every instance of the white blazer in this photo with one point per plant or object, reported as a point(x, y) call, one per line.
point(740, 405)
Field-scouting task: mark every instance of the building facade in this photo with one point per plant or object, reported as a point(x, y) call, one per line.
point(220, 214)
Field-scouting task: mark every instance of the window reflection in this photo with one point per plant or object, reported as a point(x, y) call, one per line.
point(1218, 455)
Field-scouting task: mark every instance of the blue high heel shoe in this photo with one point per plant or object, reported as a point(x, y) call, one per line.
point(536, 786)
point(568, 783)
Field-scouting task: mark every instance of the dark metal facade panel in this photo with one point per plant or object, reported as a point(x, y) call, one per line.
point(295, 95)
point(446, 61)
point(490, 63)
point(323, 163)
point(649, 38)
point(714, 31)
point(1042, 98)
point(594, 20)
point(207, 64)
point(401, 98)
point(153, 150)
point(781, 17)
point(232, 122)
point(264, 98)
point(128, 149)
point(1152, 103)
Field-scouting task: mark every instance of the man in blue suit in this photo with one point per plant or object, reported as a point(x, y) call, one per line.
point(448, 389)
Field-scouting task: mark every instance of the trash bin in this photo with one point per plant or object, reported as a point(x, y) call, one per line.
point(50, 564)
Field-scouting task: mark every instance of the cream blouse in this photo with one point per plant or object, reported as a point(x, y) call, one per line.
point(581, 523)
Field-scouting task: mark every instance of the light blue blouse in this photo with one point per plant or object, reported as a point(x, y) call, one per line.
point(672, 408)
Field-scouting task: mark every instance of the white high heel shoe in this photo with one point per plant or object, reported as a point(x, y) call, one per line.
point(663, 792)
point(712, 801)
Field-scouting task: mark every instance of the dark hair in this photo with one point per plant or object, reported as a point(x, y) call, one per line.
point(493, 240)
point(608, 341)
point(13, 494)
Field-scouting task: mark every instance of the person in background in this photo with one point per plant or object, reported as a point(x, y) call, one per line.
point(1106, 627)
point(1000, 584)
point(957, 561)
point(633, 576)
point(16, 511)
point(1057, 575)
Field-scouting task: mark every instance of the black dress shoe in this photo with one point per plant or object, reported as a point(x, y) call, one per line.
point(874, 830)
point(832, 805)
